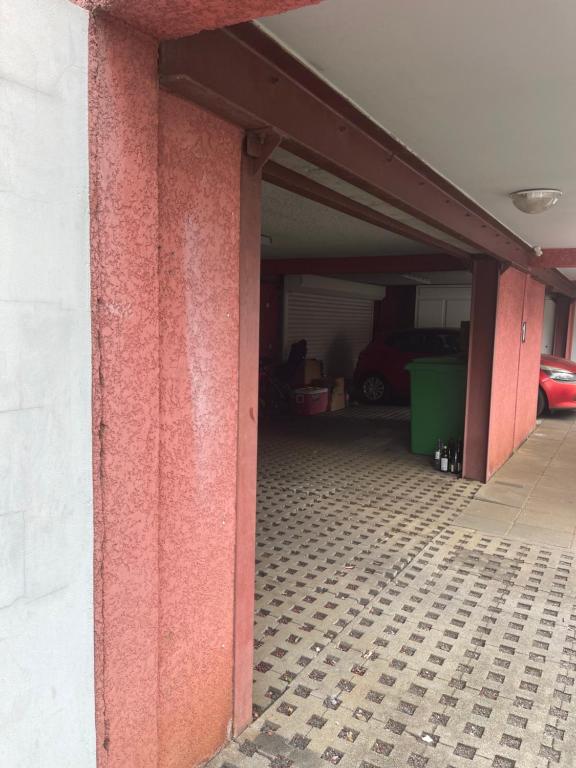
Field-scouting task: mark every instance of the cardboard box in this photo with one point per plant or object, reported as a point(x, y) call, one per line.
point(337, 390)
point(312, 370)
point(338, 395)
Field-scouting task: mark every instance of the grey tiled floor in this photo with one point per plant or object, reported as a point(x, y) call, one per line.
point(406, 618)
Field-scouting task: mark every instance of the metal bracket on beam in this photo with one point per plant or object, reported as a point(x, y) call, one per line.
point(557, 258)
point(259, 146)
point(535, 259)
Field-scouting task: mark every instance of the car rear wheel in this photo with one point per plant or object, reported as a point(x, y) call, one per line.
point(374, 389)
point(542, 402)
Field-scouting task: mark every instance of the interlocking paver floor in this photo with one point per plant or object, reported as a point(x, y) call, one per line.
point(387, 635)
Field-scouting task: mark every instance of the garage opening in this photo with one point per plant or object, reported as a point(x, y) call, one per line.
point(344, 504)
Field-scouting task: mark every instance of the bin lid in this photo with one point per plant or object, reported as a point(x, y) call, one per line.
point(310, 391)
point(430, 362)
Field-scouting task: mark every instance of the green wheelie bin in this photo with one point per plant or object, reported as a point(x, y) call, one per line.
point(438, 392)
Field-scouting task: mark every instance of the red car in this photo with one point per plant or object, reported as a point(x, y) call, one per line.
point(557, 388)
point(381, 373)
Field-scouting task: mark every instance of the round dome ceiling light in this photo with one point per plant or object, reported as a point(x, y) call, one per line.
point(535, 200)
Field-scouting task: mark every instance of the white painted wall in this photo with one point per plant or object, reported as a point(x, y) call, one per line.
point(46, 629)
point(442, 306)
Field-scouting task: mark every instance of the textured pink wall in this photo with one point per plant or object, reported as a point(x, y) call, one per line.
point(506, 361)
point(178, 18)
point(124, 242)
point(529, 361)
point(199, 184)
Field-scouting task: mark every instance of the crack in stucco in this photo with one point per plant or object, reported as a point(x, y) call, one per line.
point(101, 451)
point(102, 543)
point(95, 109)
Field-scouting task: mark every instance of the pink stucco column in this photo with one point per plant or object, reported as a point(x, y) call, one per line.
point(175, 272)
point(123, 107)
point(199, 194)
point(175, 264)
point(209, 296)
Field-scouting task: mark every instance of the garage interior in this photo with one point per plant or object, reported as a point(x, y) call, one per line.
point(400, 614)
point(340, 494)
point(349, 519)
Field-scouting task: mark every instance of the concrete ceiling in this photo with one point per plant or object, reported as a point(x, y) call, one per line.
point(414, 278)
point(481, 90)
point(299, 228)
point(327, 179)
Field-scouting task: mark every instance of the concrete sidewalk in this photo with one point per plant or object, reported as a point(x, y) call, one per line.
point(533, 497)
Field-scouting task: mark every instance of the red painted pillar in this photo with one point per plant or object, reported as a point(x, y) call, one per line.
point(502, 367)
point(529, 361)
point(480, 359)
point(249, 291)
point(505, 366)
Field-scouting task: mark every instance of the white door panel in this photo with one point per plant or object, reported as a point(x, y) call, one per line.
point(442, 306)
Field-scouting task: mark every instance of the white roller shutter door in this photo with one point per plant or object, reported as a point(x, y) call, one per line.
point(337, 328)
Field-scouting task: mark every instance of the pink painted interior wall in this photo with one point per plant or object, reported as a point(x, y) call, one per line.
point(515, 365)
point(123, 95)
point(529, 368)
point(199, 193)
point(178, 18)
